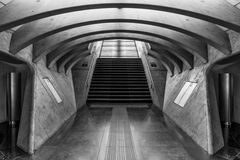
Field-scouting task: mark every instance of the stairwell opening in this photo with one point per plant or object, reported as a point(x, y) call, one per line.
point(119, 75)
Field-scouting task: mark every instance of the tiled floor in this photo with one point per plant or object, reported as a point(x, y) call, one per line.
point(111, 134)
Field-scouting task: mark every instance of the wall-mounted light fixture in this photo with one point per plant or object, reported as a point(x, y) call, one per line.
point(185, 93)
point(52, 90)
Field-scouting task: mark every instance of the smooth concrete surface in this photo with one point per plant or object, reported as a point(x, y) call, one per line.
point(159, 76)
point(197, 118)
point(154, 75)
point(136, 133)
point(5, 67)
point(181, 53)
point(80, 75)
point(52, 42)
point(42, 116)
point(49, 115)
point(201, 30)
point(5, 38)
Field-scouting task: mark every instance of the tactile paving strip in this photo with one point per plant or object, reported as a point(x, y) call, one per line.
point(120, 143)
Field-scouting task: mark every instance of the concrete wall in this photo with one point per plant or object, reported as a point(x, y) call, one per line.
point(199, 118)
point(159, 75)
point(82, 75)
point(5, 38)
point(46, 115)
point(194, 118)
point(156, 76)
point(41, 116)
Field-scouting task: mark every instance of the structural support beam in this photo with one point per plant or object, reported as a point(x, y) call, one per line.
point(204, 31)
point(65, 59)
point(184, 55)
point(167, 64)
point(72, 63)
point(159, 56)
point(194, 46)
point(171, 57)
point(220, 12)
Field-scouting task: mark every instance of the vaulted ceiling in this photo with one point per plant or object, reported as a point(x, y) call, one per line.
point(177, 30)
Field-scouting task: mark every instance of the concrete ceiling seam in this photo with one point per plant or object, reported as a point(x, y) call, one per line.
point(204, 31)
point(175, 60)
point(192, 45)
point(184, 55)
point(167, 64)
point(64, 60)
point(214, 11)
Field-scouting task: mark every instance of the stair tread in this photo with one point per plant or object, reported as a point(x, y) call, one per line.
point(118, 92)
point(112, 88)
point(119, 80)
point(135, 99)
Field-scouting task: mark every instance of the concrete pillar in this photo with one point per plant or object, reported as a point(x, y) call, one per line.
point(225, 107)
point(14, 98)
point(225, 97)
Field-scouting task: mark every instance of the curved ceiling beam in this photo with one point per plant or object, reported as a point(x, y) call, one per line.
point(158, 54)
point(167, 64)
point(175, 60)
point(198, 29)
point(64, 60)
point(220, 12)
point(197, 48)
point(184, 55)
point(72, 63)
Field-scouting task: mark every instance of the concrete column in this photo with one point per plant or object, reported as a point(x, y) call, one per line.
point(14, 98)
point(225, 97)
point(225, 108)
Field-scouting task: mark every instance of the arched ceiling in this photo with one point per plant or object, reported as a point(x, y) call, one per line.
point(181, 29)
point(82, 51)
point(182, 54)
point(204, 31)
point(165, 62)
point(220, 12)
point(69, 64)
point(178, 64)
point(192, 45)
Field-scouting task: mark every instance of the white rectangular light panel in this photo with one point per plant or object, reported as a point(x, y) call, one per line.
point(185, 93)
point(53, 90)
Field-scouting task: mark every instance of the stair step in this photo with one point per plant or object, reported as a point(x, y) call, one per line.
point(119, 82)
point(118, 72)
point(119, 96)
point(120, 65)
point(119, 68)
point(119, 100)
point(119, 79)
point(111, 73)
point(119, 76)
point(93, 92)
point(118, 89)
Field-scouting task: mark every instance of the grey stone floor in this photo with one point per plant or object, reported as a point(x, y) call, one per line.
point(119, 134)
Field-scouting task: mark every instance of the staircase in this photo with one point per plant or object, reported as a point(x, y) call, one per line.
point(119, 80)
